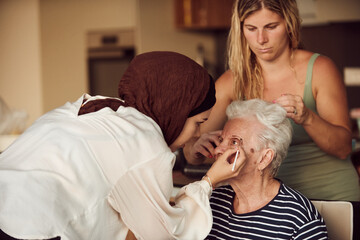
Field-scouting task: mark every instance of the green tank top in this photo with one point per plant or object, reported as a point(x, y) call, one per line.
point(311, 171)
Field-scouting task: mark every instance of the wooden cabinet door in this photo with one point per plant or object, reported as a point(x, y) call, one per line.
point(203, 14)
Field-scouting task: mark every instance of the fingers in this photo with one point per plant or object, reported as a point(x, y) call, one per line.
point(288, 101)
point(206, 150)
point(240, 161)
point(294, 106)
point(214, 137)
point(228, 155)
point(225, 167)
point(207, 143)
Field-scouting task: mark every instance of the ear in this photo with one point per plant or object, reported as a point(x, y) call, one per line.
point(267, 157)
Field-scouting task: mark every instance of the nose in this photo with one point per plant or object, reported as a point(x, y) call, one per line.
point(219, 150)
point(262, 37)
point(197, 133)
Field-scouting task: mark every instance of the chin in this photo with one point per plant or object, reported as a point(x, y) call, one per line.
point(267, 57)
point(173, 148)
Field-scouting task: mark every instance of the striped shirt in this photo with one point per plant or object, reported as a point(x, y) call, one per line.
point(289, 215)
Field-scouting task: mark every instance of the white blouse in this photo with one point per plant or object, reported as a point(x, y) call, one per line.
point(96, 176)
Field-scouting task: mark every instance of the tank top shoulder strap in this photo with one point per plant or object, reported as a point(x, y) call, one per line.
point(308, 96)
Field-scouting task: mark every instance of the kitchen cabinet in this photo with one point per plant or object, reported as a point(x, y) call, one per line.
point(203, 14)
point(216, 14)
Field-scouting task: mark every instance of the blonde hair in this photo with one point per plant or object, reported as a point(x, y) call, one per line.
point(247, 72)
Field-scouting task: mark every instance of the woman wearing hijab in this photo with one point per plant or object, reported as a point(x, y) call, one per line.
point(99, 167)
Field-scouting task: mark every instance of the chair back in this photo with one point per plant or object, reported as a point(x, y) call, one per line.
point(338, 216)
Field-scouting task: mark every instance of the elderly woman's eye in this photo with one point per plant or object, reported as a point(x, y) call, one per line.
point(220, 139)
point(236, 142)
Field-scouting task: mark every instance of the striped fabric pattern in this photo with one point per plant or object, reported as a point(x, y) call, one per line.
point(289, 215)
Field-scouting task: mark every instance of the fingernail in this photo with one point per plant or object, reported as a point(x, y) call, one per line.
point(273, 101)
point(210, 156)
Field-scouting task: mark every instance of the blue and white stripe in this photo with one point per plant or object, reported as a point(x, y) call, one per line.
point(289, 215)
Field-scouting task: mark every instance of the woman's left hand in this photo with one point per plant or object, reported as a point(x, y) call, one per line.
point(295, 107)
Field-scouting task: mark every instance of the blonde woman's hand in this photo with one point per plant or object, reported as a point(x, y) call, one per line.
point(295, 108)
point(223, 168)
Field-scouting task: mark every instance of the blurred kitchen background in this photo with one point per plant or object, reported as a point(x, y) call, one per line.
point(53, 51)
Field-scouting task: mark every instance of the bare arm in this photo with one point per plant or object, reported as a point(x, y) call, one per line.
point(196, 149)
point(330, 128)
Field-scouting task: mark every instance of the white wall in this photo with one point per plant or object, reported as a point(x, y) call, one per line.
point(64, 25)
point(338, 10)
point(43, 44)
point(157, 32)
point(314, 12)
point(43, 48)
point(20, 63)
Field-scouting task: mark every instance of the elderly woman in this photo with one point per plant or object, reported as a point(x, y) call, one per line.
point(255, 205)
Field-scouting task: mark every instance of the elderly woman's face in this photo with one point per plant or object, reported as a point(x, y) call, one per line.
point(239, 132)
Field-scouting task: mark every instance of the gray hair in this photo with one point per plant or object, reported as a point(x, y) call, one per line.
point(277, 133)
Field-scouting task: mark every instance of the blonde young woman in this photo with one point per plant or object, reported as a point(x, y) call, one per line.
point(265, 62)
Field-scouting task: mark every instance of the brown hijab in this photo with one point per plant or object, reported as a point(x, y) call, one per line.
point(167, 87)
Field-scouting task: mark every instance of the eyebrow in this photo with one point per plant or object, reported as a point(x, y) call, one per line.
point(249, 25)
point(236, 136)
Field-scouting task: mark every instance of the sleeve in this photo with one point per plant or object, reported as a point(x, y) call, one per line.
point(315, 229)
point(142, 195)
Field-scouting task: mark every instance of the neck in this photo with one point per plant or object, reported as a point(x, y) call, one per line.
point(278, 63)
point(253, 194)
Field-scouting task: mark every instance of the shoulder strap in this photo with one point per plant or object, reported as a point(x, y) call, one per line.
point(308, 96)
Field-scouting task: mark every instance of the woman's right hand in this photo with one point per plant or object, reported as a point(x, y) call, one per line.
point(223, 168)
point(205, 145)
